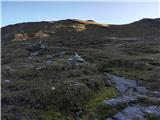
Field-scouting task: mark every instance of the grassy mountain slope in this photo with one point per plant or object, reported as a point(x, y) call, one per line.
point(46, 86)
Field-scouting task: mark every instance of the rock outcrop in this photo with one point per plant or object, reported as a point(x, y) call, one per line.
point(21, 37)
point(130, 93)
point(137, 113)
point(41, 34)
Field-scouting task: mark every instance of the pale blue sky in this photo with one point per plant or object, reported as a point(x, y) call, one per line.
point(105, 12)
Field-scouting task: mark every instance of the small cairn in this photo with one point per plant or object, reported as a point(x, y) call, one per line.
point(76, 59)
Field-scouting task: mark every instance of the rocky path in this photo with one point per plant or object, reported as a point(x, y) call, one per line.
point(132, 97)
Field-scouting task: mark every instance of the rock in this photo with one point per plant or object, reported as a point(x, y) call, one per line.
point(124, 86)
point(76, 59)
point(7, 81)
point(36, 47)
point(119, 45)
point(41, 34)
point(109, 119)
point(121, 116)
point(9, 69)
point(142, 90)
point(49, 56)
point(134, 113)
point(48, 62)
point(120, 100)
point(76, 84)
point(150, 99)
point(138, 94)
point(107, 82)
point(21, 37)
point(29, 57)
point(137, 113)
point(127, 86)
point(34, 54)
point(78, 115)
point(156, 93)
point(63, 52)
point(53, 88)
point(40, 67)
point(153, 110)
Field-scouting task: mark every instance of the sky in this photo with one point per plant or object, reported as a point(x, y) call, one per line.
point(104, 12)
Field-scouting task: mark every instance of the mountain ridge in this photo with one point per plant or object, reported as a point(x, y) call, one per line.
point(74, 25)
point(78, 20)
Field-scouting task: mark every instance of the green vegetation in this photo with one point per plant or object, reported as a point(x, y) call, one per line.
point(96, 108)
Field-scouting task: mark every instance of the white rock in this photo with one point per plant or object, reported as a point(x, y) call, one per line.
point(7, 81)
point(48, 62)
point(78, 58)
point(53, 88)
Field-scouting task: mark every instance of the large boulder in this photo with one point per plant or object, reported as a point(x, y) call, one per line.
point(122, 100)
point(153, 110)
point(124, 86)
point(137, 113)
